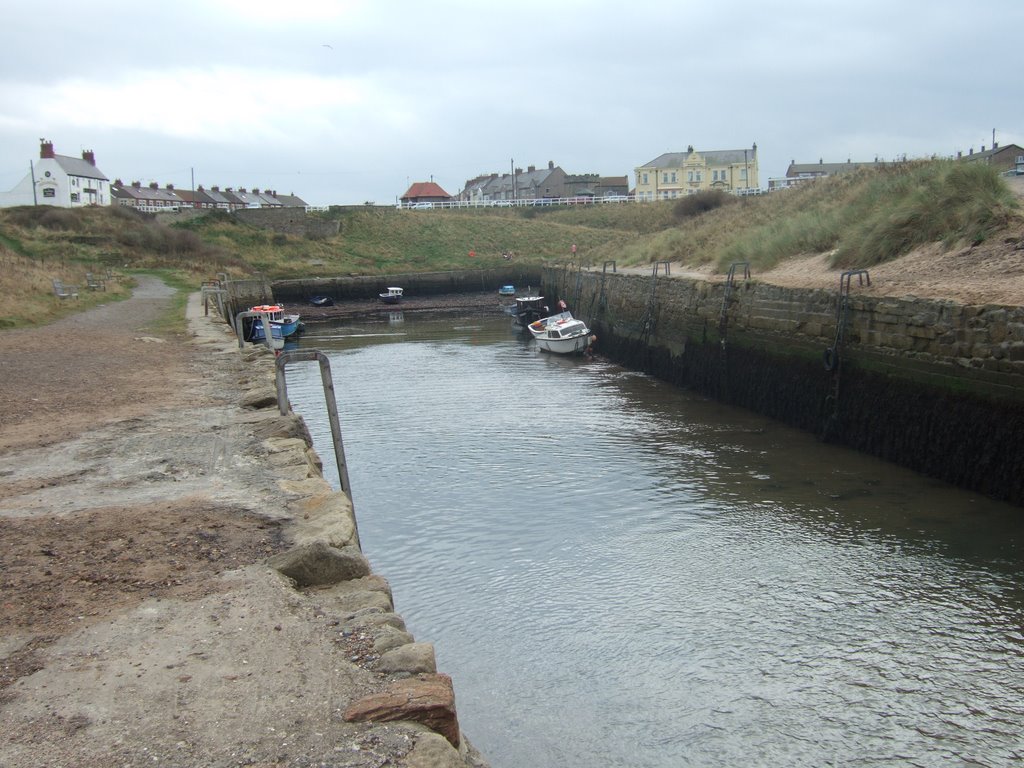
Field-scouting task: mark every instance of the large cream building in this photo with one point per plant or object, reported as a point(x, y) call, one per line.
point(676, 174)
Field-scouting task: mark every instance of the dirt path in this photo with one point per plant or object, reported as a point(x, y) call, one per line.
point(144, 480)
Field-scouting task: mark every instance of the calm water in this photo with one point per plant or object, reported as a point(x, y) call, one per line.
point(618, 573)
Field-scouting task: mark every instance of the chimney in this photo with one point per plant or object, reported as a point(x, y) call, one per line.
point(137, 184)
point(89, 156)
point(959, 154)
point(45, 149)
point(531, 168)
point(199, 188)
point(170, 187)
point(117, 183)
point(215, 188)
point(995, 145)
point(154, 185)
point(551, 165)
point(970, 151)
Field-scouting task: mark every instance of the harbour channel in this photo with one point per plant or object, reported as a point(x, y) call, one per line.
point(617, 572)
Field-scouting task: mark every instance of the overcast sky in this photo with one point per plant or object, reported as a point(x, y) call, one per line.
point(345, 101)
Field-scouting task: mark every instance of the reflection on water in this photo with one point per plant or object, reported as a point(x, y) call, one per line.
point(619, 573)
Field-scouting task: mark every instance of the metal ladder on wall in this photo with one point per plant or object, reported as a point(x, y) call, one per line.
point(730, 281)
point(647, 322)
point(832, 355)
point(600, 299)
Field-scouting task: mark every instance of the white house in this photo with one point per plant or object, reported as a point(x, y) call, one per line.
point(66, 182)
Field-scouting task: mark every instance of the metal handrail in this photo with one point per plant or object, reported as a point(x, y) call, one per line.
point(268, 335)
point(294, 356)
point(219, 293)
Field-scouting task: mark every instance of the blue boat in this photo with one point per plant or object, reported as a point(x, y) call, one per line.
point(281, 325)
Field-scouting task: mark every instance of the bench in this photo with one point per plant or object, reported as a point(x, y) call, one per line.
point(95, 283)
point(62, 291)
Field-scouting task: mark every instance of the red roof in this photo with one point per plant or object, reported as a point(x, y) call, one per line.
point(423, 189)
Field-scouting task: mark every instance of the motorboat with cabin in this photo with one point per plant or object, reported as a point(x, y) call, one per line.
point(281, 325)
point(565, 337)
point(393, 295)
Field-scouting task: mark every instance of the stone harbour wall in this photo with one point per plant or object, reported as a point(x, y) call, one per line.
point(933, 385)
point(358, 287)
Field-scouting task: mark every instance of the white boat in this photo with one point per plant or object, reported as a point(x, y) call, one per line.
point(393, 296)
point(565, 338)
point(540, 327)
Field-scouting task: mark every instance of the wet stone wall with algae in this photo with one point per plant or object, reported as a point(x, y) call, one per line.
point(935, 386)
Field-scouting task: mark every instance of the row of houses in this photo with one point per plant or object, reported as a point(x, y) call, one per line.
point(69, 182)
point(1008, 160)
point(666, 177)
point(154, 199)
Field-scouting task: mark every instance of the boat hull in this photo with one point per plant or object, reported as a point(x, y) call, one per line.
point(278, 330)
point(573, 345)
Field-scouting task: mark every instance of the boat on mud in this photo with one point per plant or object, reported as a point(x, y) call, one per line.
point(392, 295)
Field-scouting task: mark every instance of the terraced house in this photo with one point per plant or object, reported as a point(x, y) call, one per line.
point(675, 174)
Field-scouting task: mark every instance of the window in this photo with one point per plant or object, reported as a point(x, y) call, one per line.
point(673, 177)
point(689, 175)
point(743, 174)
point(49, 192)
point(664, 178)
point(645, 178)
point(74, 197)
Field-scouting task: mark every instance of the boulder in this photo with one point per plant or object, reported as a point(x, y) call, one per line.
point(319, 563)
point(409, 659)
point(427, 699)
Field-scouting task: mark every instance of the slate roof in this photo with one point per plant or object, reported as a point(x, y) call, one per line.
point(989, 153)
point(76, 166)
point(827, 169)
point(711, 157)
point(217, 196)
point(138, 192)
point(291, 201)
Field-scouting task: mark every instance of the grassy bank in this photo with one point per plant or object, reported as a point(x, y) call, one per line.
point(860, 219)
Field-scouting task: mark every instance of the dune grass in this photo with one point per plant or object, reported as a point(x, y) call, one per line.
point(874, 216)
